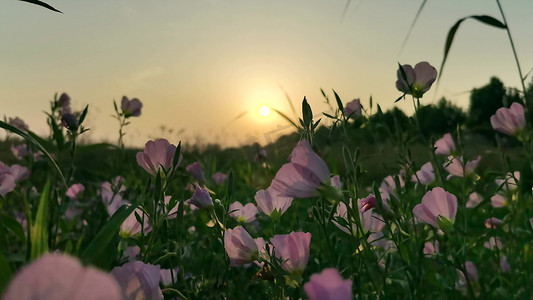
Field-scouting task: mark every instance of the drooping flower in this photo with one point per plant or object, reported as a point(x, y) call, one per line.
point(138, 281)
point(245, 214)
point(64, 103)
point(240, 246)
point(436, 203)
point(201, 198)
point(219, 177)
point(353, 109)
point(425, 175)
point(69, 121)
point(303, 175)
point(509, 120)
point(61, 277)
point(156, 155)
point(195, 169)
point(293, 250)
point(328, 285)
point(269, 201)
point(419, 79)
point(131, 108)
point(19, 123)
point(445, 145)
point(454, 166)
point(74, 190)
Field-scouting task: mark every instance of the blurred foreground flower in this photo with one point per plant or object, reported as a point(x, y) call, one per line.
point(303, 175)
point(240, 246)
point(19, 123)
point(156, 155)
point(269, 201)
point(219, 177)
point(293, 250)
point(328, 285)
point(61, 277)
point(131, 108)
point(138, 281)
point(437, 204)
point(418, 80)
point(509, 120)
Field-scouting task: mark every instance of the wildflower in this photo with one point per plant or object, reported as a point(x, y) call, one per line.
point(69, 121)
point(245, 214)
point(138, 281)
point(156, 155)
point(418, 80)
point(328, 285)
point(425, 175)
point(353, 109)
point(132, 227)
point(168, 276)
point(509, 120)
point(74, 190)
point(454, 166)
point(493, 242)
point(18, 123)
point(111, 194)
point(509, 183)
point(435, 204)
point(201, 198)
point(336, 181)
point(131, 108)
point(504, 265)
point(498, 201)
point(293, 250)
point(20, 173)
point(493, 222)
point(388, 186)
point(173, 212)
point(471, 272)
point(61, 277)
point(261, 155)
point(303, 175)
point(269, 201)
point(240, 246)
point(7, 180)
point(430, 248)
point(370, 221)
point(444, 145)
point(219, 177)
point(132, 253)
point(195, 169)
point(64, 102)
point(473, 200)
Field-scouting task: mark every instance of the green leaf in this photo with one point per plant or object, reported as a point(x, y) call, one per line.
point(83, 115)
point(5, 272)
point(339, 102)
point(40, 3)
point(39, 234)
point(57, 133)
point(307, 113)
point(106, 237)
point(13, 225)
point(30, 139)
point(453, 30)
point(329, 116)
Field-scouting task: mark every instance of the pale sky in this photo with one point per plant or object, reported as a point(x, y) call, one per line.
point(197, 65)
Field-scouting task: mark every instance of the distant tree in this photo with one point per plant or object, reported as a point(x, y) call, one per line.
point(484, 102)
point(441, 118)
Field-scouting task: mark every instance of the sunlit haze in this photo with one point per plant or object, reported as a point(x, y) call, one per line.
point(204, 69)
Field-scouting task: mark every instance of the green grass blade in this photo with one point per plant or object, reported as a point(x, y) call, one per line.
point(30, 139)
point(106, 236)
point(39, 235)
point(412, 25)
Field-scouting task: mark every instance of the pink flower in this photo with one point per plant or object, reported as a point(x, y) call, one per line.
point(245, 214)
point(131, 108)
point(269, 201)
point(419, 79)
point(219, 177)
point(111, 194)
point(430, 248)
point(498, 201)
point(240, 246)
point(493, 222)
point(504, 265)
point(172, 213)
point(64, 102)
point(168, 276)
point(370, 221)
point(201, 198)
point(353, 109)
point(74, 190)
point(7, 180)
point(444, 145)
point(509, 183)
point(426, 175)
point(293, 250)
point(471, 272)
point(436, 203)
point(138, 281)
point(493, 242)
point(454, 166)
point(156, 155)
point(132, 227)
point(388, 186)
point(195, 169)
point(473, 200)
point(19, 123)
point(61, 277)
point(336, 182)
point(328, 285)
point(509, 120)
point(19, 172)
point(303, 175)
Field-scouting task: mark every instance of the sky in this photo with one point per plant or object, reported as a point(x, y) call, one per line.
point(202, 69)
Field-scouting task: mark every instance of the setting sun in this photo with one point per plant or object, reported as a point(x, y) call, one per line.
point(264, 111)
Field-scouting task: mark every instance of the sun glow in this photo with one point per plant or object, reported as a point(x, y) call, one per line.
point(264, 111)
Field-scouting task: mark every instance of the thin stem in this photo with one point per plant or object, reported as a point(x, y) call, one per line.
point(513, 47)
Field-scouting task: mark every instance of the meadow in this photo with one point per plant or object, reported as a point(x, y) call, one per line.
point(372, 205)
